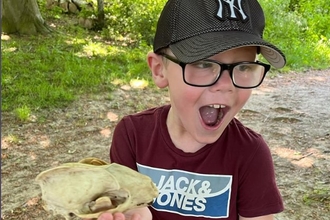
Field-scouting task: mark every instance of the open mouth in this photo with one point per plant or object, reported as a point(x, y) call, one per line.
point(212, 114)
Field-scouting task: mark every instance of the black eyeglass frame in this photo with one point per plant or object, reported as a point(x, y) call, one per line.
point(223, 66)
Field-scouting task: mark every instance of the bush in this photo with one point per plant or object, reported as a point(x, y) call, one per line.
point(301, 29)
point(132, 20)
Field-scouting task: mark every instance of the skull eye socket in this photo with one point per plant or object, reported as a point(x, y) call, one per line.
point(118, 197)
point(108, 200)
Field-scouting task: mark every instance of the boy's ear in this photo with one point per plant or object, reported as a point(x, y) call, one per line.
point(157, 67)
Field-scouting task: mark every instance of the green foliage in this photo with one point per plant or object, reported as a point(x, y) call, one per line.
point(133, 20)
point(319, 194)
point(55, 13)
point(46, 72)
point(23, 113)
point(301, 29)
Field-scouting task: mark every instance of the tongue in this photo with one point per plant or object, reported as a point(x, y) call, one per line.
point(209, 115)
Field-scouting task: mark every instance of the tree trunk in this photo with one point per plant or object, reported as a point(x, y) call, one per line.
point(23, 17)
point(100, 13)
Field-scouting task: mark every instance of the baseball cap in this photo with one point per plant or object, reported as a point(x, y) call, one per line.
point(198, 29)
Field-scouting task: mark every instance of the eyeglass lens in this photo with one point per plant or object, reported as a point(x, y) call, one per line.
point(207, 72)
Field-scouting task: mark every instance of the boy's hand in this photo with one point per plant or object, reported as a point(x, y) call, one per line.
point(135, 214)
point(119, 216)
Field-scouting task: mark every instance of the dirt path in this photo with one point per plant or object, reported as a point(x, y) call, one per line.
point(292, 112)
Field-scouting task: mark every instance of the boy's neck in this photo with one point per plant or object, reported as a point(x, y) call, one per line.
point(181, 138)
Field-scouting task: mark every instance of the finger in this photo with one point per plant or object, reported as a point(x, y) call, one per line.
point(135, 217)
point(118, 216)
point(106, 216)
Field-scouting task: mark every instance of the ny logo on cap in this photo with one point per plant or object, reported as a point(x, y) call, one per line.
point(233, 9)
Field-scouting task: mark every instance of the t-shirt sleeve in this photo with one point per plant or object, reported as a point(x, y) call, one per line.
point(123, 140)
point(258, 194)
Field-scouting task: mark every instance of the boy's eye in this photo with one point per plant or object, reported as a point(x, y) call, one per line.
point(244, 68)
point(203, 65)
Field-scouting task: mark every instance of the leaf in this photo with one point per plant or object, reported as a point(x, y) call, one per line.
point(112, 116)
point(138, 84)
point(106, 132)
point(33, 201)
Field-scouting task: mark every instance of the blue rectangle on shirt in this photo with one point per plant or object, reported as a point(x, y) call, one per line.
point(190, 194)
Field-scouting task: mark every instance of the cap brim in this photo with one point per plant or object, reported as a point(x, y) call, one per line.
point(206, 45)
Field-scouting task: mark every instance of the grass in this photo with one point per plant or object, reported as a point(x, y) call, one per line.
point(51, 71)
point(317, 197)
point(23, 113)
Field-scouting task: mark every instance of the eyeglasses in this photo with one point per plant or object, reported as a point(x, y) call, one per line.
point(244, 75)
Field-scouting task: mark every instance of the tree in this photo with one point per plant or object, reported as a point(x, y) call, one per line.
point(23, 17)
point(100, 13)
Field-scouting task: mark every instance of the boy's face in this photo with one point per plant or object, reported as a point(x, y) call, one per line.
point(195, 117)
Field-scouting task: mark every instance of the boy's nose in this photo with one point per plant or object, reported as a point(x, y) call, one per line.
point(224, 83)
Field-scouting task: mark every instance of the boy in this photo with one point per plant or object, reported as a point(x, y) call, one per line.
point(205, 163)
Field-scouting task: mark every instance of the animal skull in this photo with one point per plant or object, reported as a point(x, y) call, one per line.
point(91, 186)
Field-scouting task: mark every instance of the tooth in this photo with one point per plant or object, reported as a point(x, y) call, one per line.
point(215, 106)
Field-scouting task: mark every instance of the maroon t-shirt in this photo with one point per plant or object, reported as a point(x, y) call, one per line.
point(230, 177)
